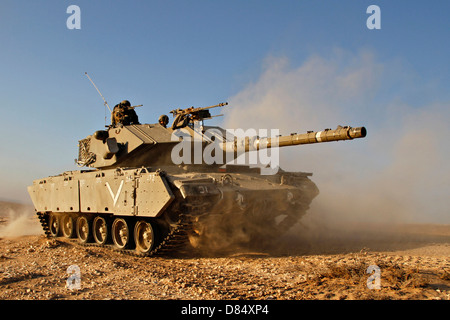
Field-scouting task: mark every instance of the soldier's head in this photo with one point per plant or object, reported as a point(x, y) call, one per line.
point(163, 120)
point(125, 103)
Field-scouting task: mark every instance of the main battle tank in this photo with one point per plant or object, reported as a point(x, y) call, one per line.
point(151, 189)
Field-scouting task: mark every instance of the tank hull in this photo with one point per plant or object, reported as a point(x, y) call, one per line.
point(150, 212)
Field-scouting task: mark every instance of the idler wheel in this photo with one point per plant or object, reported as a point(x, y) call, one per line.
point(83, 229)
point(121, 233)
point(100, 230)
point(144, 236)
point(53, 225)
point(68, 226)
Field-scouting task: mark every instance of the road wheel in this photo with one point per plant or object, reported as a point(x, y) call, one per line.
point(121, 233)
point(100, 230)
point(68, 226)
point(84, 233)
point(144, 236)
point(53, 225)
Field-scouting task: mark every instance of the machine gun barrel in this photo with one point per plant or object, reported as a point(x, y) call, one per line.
point(215, 106)
point(192, 110)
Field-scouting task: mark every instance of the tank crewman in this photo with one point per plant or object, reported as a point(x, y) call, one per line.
point(123, 113)
point(163, 120)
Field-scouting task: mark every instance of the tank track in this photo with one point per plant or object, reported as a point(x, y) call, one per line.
point(175, 240)
point(44, 224)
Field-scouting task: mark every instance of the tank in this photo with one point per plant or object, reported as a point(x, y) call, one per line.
point(149, 189)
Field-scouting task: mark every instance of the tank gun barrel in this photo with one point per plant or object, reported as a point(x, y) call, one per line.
point(327, 135)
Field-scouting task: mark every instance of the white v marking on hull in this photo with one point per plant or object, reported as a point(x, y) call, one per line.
point(115, 197)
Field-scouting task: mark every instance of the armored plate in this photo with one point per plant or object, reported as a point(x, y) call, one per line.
point(119, 192)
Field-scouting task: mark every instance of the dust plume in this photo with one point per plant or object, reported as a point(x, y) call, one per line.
point(399, 173)
point(18, 221)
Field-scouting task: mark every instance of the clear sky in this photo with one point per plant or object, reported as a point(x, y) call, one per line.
point(173, 54)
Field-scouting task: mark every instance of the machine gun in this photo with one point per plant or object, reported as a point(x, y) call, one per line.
point(184, 116)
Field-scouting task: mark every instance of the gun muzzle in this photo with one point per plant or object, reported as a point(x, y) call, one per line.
point(359, 132)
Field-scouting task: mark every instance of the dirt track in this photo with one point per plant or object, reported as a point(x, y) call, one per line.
point(413, 262)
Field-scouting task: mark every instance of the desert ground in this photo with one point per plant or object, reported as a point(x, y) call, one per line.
point(409, 261)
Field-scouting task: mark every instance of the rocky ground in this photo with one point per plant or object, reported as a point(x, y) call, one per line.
point(413, 262)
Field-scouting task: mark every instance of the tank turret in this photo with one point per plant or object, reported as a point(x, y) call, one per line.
point(148, 145)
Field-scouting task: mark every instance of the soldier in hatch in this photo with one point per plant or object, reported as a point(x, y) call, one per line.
point(124, 114)
point(163, 120)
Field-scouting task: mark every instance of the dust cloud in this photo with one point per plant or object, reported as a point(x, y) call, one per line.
point(17, 220)
point(398, 174)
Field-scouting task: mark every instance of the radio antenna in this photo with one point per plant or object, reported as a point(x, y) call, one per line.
point(106, 103)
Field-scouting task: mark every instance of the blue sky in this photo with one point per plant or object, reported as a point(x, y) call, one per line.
point(171, 54)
